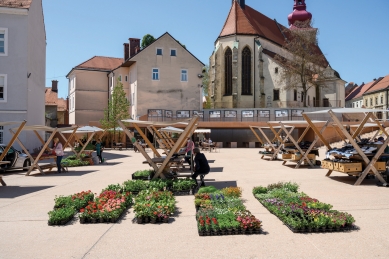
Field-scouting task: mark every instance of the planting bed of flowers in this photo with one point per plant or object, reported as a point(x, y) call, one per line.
point(143, 175)
point(177, 186)
point(221, 212)
point(107, 207)
point(152, 206)
point(300, 212)
point(73, 161)
point(67, 206)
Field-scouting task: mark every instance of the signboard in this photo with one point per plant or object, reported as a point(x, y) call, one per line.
point(247, 114)
point(264, 114)
point(155, 113)
point(214, 114)
point(297, 113)
point(198, 113)
point(183, 114)
point(230, 114)
point(283, 113)
point(168, 114)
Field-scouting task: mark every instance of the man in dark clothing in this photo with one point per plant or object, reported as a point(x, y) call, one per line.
point(201, 164)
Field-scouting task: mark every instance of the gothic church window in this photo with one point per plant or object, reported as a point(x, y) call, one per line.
point(228, 72)
point(246, 71)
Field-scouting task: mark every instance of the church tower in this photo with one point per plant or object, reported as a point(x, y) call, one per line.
point(299, 14)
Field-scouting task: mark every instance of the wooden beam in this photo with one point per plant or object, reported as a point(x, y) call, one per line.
point(313, 127)
point(146, 140)
point(256, 135)
point(11, 142)
point(362, 125)
point(86, 144)
point(304, 133)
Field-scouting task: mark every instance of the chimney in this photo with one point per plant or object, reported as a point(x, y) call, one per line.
point(126, 51)
point(54, 86)
point(134, 45)
point(240, 2)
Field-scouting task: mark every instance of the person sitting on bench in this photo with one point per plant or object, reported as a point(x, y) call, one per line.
point(201, 165)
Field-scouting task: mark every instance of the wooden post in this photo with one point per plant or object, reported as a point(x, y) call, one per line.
point(256, 135)
point(86, 144)
point(146, 140)
point(10, 143)
point(317, 132)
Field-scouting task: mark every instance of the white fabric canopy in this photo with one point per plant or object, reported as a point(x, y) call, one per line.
point(85, 129)
point(346, 110)
point(172, 130)
point(202, 131)
point(295, 122)
point(156, 123)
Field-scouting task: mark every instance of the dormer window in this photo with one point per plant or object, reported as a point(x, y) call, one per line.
point(159, 52)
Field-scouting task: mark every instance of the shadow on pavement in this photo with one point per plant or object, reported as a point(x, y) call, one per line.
point(68, 173)
point(352, 179)
point(216, 169)
point(10, 192)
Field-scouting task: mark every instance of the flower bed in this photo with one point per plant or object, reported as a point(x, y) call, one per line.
point(154, 206)
point(107, 207)
point(73, 161)
point(177, 186)
point(143, 175)
point(67, 206)
point(223, 213)
point(300, 212)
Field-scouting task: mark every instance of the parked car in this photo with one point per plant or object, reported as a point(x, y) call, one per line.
point(17, 159)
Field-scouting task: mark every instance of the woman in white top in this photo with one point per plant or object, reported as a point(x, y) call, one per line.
point(58, 149)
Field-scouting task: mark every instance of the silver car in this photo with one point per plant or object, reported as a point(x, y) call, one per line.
point(17, 159)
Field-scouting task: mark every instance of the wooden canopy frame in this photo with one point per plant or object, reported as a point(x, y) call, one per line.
point(82, 130)
point(35, 129)
point(268, 141)
point(369, 115)
point(304, 153)
point(163, 161)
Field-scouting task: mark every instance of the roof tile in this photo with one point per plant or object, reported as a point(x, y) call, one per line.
point(382, 84)
point(101, 63)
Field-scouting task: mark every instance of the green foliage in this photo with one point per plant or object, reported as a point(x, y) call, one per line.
point(143, 173)
point(73, 161)
point(135, 186)
point(118, 106)
point(114, 187)
point(207, 189)
point(61, 216)
point(259, 190)
point(147, 40)
point(183, 184)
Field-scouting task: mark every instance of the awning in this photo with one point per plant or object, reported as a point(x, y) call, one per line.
point(172, 130)
point(202, 131)
point(86, 129)
point(346, 110)
point(157, 123)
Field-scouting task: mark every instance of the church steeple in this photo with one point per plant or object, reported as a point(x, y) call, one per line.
point(240, 2)
point(299, 13)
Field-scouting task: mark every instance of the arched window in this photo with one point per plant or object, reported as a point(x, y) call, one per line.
point(228, 72)
point(246, 71)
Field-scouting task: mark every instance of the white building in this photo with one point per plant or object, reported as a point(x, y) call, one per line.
point(22, 65)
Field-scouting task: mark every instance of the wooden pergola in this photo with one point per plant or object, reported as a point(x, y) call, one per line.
point(35, 159)
point(160, 164)
point(369, 159)
point(83, 130)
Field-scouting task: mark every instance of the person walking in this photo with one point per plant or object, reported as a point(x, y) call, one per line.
point(99, 150)
point(58, 150)
point(201, 164)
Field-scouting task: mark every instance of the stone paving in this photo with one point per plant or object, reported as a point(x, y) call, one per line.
point(24, 204)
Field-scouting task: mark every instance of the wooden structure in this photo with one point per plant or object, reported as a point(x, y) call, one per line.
point(368, 159)
point(276, 130)
point(83, 130)
point(160, 164)
point(41, 155)
point(298, 154)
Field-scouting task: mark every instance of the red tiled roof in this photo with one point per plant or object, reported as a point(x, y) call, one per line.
point(61, 105)
point(353, 93)
point(50, 97)
point(380, 85)
point(251, 22)
point(363, 89)
point(101, 63)
point(24, 4)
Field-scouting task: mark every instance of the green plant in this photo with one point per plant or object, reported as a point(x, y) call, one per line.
point(207, 189)
point(135, 186)
point(183, 184)
point(259, 190)
point(61, 216)
point(144, 173)
point(113, 187)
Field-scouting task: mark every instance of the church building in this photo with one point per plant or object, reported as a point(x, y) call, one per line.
point(244, 72)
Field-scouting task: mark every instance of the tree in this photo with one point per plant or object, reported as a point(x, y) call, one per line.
point(303, 63)
point(147, 40)
point(205, 83)
point(118, 106)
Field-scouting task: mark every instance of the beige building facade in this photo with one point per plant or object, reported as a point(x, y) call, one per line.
point(163, 76)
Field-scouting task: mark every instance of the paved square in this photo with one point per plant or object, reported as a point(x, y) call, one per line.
point(24, 204)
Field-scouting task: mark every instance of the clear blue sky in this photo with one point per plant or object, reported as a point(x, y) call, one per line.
point(353, 34)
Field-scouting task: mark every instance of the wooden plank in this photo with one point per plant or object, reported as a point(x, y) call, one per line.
point(67, 143)
point(25, 151)
point(86, 144)
point(2, 181)
point(255, 134)
point(161, 140)
point(11, 142)
point(317, 132)
point(189, 129)
point(304, 133)
point(362, 125)
point(146, 140)
point(329, 173)
point(267, 139)
point(139, 147)
point(39, 137)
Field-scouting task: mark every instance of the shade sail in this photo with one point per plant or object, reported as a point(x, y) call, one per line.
point(172, 130)
point(156, 123)
point(86, 129)
point(202, 131)
point(46, 128)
